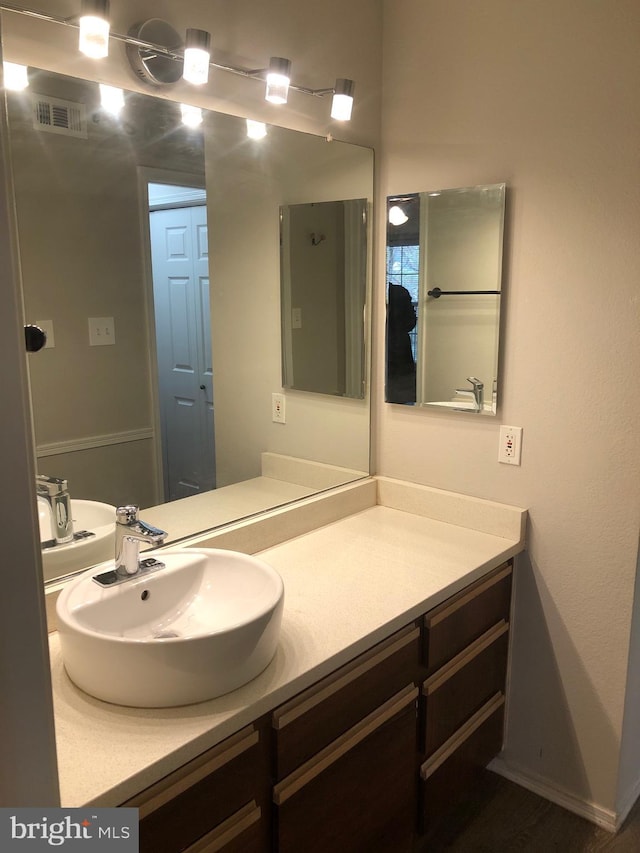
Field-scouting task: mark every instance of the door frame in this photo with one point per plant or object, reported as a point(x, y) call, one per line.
point(149, 175)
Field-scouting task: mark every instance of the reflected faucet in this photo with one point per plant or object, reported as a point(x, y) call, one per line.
point(130, 532)
point(477, 392)
point(54, 493)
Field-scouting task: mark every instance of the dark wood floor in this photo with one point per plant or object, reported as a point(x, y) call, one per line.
point(505, 817)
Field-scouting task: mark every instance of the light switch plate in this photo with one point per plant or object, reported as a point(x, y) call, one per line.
point(102, 331)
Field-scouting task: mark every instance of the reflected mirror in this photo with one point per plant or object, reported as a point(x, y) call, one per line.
point(444, 282)
point(324, 282)
point(150, 254)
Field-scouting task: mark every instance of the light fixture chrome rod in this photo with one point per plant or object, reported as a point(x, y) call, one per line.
point(33, 13)
point(177, 55)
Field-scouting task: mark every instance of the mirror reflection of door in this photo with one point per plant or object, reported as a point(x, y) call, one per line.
point(180, 272)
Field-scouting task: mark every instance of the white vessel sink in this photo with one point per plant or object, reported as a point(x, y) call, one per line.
point(205, 624)
point(91, 516)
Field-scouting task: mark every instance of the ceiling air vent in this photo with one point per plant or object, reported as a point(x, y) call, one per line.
point(57, 116)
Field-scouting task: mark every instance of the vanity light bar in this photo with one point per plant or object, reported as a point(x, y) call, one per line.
point(342, 92)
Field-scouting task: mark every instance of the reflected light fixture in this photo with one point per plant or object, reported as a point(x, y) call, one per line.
point(111, 99)
point(191, 116)
point(256, 129)
point(278, 80)
point(94, 28)
point(397, 216)
point(15, 76)
point(342, 102)
point(197, 53)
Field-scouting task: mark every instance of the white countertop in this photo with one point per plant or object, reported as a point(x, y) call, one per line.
point(348, 585)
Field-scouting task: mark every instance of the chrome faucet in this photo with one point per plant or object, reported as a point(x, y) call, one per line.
point(54, 492)
point(477, 392)
point(130, 532)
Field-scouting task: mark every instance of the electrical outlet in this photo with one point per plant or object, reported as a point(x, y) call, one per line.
point(510, 449)
point(102, 331)
point(277, 409)
point(296, 318)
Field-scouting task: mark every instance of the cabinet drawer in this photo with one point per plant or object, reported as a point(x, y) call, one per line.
point(358, 794)
point(191, 802)
point(241, 833)
point(316, 717)
point(464, 617)
point(451, 773)
point(454, 693)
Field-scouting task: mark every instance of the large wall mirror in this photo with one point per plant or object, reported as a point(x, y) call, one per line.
point(444, 288)
point(150, 253)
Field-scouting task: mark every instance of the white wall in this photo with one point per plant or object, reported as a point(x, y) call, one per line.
point(541, 95)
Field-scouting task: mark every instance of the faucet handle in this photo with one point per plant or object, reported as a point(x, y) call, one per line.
point(127, 514)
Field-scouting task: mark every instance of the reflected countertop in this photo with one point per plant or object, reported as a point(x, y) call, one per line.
point(348, 585)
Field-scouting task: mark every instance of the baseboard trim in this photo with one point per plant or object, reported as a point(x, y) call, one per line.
point(628, 803)
point(605, 818)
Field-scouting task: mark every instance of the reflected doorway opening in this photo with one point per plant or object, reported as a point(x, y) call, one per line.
point(180, 319)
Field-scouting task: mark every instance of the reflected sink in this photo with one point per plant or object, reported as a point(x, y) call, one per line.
point(205, 624)
point(91, 516)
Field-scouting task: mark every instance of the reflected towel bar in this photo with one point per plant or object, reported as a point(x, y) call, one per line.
point(437, 293)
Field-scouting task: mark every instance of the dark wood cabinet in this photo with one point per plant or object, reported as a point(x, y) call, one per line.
point(367, 759)
point(219, 798)
point(358, 794)
point(314, 718)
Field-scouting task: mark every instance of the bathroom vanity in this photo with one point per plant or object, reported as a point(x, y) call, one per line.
point(386, 694)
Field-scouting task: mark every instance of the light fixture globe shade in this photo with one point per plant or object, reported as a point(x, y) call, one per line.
point(94, 28)
point(197, 54)
point(15, 77)
point(397, 216)
point(278, 80)
point(342, 102)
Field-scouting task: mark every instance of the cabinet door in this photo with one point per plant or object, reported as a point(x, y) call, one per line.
point(464, 617)
point(358, 794)
point(313, 719)
point(196, 799)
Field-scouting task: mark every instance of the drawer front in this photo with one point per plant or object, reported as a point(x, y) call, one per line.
point(241, 833)
point(451, 773)
point(464, 617)
point(359, 794)
point(190, 803)
point(454, 693)
point(319, 715)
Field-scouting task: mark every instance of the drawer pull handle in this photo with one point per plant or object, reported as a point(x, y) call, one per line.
point(441, 615)
point(464, 733)
point(227, 831)
point(442, 675)
point(328, 756)
point(308, 700)
point(184, 778)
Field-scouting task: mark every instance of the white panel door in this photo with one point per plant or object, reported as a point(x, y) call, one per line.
point(180, 263)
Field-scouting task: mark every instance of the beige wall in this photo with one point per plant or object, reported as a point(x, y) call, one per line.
point(541, 95)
